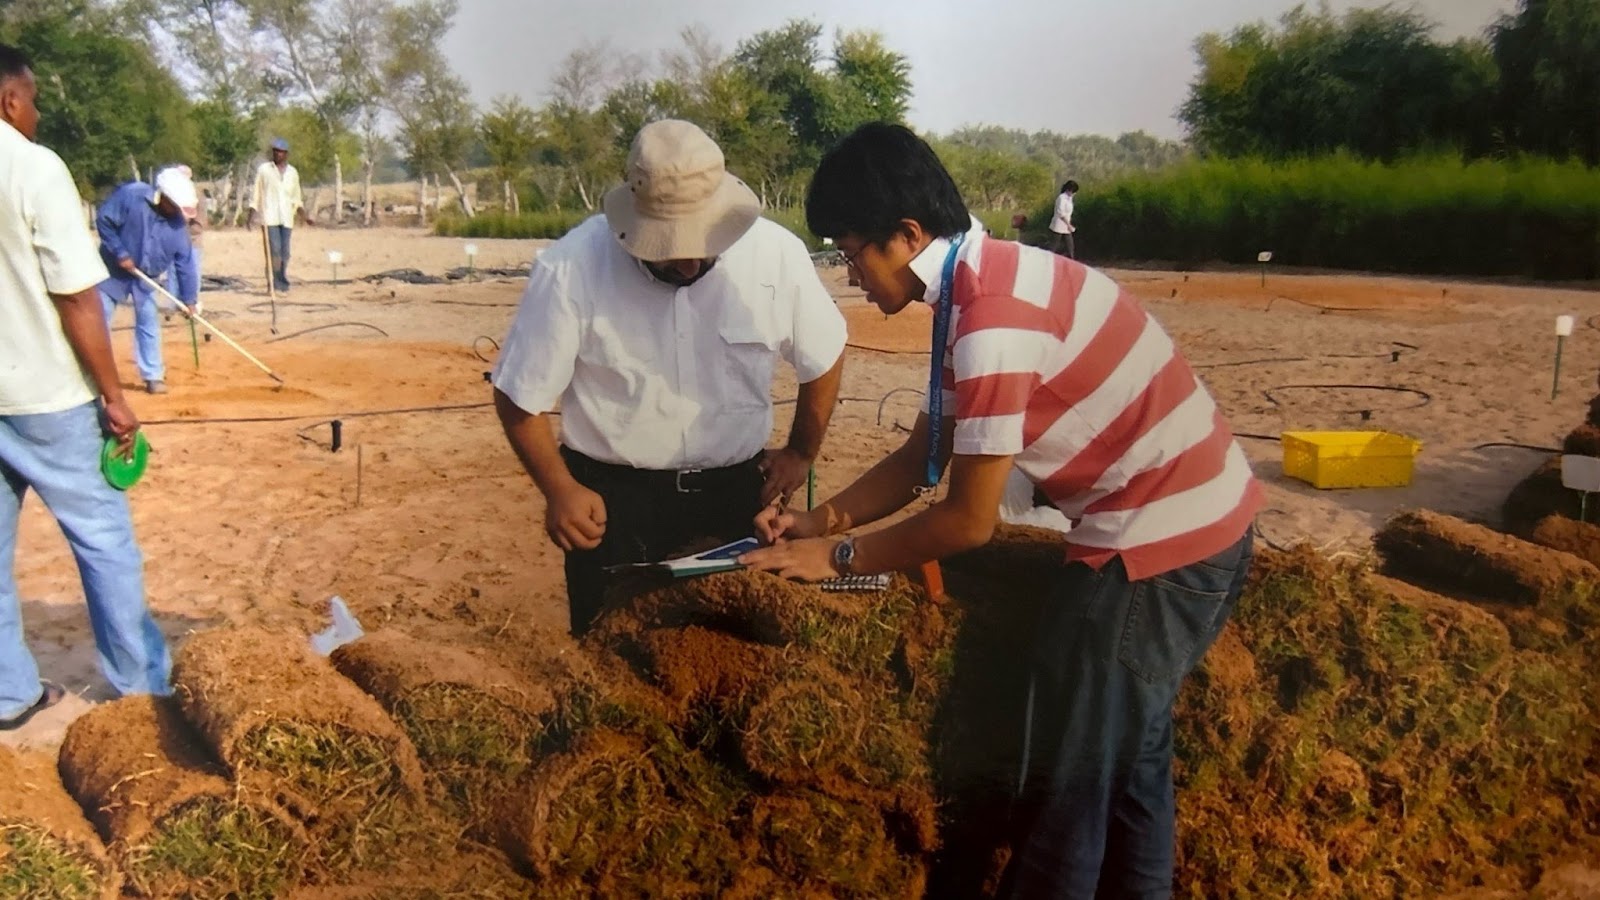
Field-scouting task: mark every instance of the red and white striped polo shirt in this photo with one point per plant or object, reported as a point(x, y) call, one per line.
point(1051, 363)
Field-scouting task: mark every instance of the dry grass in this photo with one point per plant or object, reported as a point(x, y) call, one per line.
point(344, 783)
point(36, 866)
point(212, 848)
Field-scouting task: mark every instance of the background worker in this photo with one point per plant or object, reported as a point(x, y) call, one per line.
point(59, 397)
point(657, 327)
point(144, 229)
point(196, 217)
point(1061, 221)
point(276, 201)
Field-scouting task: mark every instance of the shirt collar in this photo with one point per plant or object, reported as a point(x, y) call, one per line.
point(928, 265)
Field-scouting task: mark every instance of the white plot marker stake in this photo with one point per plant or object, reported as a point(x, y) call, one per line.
point(1563, 331)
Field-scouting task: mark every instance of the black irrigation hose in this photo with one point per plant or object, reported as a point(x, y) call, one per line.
point(1391, 355)
point(884, 401)
point(285, 337)
point(168, 316)
point(223, 283)
point(456, 407)
point(1366, 413)
point(892, 352)
point(1252, 362)
point(1326, 309)
point(1255, 526)
point(1516, 446)
point(1258, 437)
point(479, 339)
point(476, 303)
point(266, 306)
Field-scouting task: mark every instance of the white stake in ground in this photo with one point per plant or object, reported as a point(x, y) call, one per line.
point(1563, 331)
point(472, 262)
point(1263, 258)
point(334, 258)
point(196, 317)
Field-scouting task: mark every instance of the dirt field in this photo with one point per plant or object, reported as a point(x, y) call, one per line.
point(259, 523)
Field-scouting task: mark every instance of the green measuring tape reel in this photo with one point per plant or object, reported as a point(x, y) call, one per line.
point(124, 471)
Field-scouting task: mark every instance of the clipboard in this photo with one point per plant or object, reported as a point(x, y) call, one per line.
point(718, 559)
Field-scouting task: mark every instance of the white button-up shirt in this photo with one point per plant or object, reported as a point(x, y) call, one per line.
point(655, 376)
point(277, 194)
point(1061, 222)
point(45, 248)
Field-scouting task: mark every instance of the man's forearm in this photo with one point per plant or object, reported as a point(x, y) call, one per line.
point(885, 489)
point(534, 442)
point(939, 531)
point(813, 410)
point(83, 321)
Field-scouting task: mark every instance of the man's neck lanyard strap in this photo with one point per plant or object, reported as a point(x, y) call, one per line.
point(941, 338)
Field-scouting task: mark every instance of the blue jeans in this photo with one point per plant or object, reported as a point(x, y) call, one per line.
point(146, 330)
point(278, 240)
point(1096, 813)
point(58, 455)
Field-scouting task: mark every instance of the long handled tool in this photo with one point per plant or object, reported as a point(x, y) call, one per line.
point(196, 317)
point(272, 277)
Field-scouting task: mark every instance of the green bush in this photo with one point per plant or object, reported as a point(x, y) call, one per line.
point(1437, 215)
point(533, 225)
point(551, 225)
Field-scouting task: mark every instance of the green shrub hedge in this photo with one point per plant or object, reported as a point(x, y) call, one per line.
point(1438, 215)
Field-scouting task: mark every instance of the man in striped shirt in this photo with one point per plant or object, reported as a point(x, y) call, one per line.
point(1051, 368)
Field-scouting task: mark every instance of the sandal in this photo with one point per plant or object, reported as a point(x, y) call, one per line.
point(50, 696)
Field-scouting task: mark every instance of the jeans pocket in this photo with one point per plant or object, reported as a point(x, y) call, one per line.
point(1169, 619)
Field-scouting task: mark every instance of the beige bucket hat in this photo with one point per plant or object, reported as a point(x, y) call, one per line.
point(678, 202)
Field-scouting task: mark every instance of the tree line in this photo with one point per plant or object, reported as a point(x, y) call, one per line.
point(362, 90)
point(1379, 84)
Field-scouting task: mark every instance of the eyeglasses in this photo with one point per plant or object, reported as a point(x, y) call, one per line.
point(850, 258)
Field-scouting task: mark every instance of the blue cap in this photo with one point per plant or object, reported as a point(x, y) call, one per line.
point(280, 144)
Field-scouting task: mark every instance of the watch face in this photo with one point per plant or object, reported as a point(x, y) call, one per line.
point(844, 553)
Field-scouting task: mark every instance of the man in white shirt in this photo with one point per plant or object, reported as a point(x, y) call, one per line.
point(55, 358)
point(275, 201)
point(657, 326)
point(1061, 222)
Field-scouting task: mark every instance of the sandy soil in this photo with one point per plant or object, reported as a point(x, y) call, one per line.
point(428, 514)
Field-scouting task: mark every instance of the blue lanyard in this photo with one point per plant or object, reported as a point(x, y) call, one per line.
point(941, 336)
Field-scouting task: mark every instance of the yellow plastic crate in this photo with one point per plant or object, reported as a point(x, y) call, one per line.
point(1349, 459)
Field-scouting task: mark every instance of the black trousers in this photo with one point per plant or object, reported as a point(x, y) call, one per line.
point(1064, 246)
point(650, 516)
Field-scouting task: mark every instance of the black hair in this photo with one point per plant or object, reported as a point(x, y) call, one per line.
point(13, 62)
point(1071, 187)
point(877, 176)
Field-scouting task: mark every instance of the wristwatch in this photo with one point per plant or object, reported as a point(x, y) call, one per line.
point(844, 556)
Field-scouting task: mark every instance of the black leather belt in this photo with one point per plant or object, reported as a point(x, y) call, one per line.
point(682, 481)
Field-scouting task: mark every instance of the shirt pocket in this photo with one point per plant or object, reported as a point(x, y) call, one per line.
point(744, 374)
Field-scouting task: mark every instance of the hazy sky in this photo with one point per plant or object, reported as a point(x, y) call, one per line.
point(1077, 66)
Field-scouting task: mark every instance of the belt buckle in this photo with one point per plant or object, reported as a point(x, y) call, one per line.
point(677, 480)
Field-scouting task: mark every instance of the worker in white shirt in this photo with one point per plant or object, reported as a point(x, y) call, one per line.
point(275, 201)
point(656, 327)
point(1061, 222)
